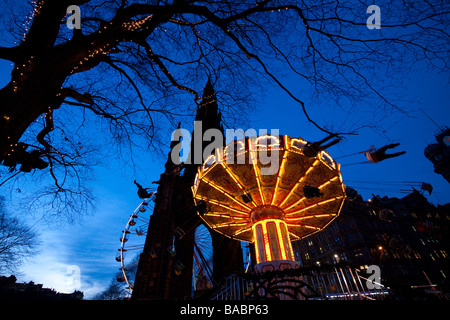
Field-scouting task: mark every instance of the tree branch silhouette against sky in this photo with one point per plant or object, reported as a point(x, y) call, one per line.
point(82, 111)
point(136, 67)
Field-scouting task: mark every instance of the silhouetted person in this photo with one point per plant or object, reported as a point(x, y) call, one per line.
point(201, 208)
point(142, 192)
point(312, 192)
point(376, 155)
point(313, 148)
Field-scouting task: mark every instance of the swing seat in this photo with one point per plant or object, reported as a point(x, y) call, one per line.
point(311, 192)
point(201, 208)
point(247, 198)
point(312, 149)
point(372, 156)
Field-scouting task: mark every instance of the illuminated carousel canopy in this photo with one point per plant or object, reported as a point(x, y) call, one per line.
point(302, 193)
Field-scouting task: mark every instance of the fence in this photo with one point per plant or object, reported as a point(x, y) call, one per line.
point(337, 283)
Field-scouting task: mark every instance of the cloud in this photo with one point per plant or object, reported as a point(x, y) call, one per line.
point(49, 272)
point(81, 256)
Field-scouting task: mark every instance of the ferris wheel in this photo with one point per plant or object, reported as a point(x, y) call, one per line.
point(132, 240)
point(132, 243)
point(202, 267)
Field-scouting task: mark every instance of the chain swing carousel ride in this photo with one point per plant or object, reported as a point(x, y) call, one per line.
point(269, 190)
point(266, 190)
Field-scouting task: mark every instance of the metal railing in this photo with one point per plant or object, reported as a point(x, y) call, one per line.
point(235, 288)
point(342, 283)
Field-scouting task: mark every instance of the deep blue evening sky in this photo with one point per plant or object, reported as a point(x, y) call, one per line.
point(92, 243)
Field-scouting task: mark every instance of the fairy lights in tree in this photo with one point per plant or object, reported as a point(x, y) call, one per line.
point(136, 24)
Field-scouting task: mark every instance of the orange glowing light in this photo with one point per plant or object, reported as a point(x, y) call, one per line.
point(272, 241)
point(269, 210)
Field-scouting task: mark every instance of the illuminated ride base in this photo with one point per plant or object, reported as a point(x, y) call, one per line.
point(240, 197)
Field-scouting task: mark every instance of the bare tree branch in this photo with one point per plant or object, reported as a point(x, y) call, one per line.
point(137, 67)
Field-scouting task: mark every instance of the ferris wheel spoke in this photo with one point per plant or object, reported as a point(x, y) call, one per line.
point(145, 220)
point(202, 255)
point(203, 263)
point(135, 247)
